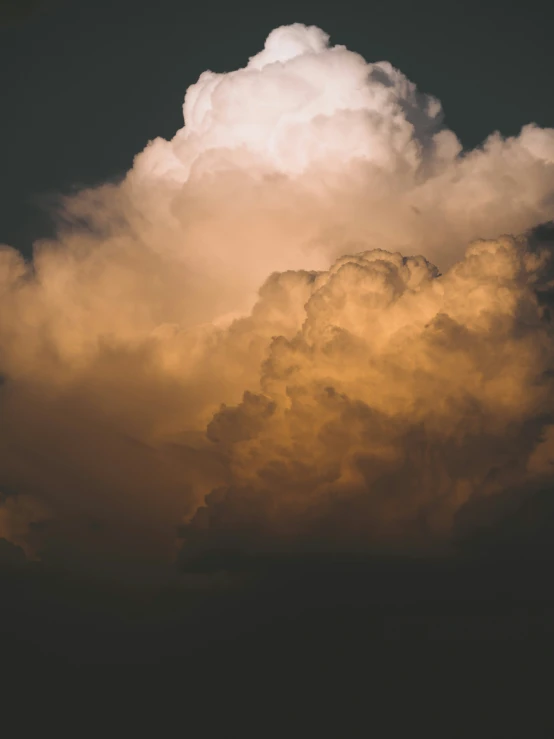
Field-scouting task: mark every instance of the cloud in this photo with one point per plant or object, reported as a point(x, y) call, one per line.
point(403, 398)
point(368, 400)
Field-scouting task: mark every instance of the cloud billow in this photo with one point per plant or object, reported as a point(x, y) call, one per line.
point(358, 400)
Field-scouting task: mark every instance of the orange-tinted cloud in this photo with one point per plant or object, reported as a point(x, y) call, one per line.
point(368, 399)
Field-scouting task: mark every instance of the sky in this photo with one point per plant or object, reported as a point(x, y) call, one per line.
point(275, 323)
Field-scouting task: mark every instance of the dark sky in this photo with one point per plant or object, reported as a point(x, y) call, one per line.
point(85, 84)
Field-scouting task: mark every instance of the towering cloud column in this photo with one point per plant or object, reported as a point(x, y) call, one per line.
point(358, 399)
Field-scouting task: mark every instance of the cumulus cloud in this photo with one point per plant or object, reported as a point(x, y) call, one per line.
point(368, 400)
point(403, 397)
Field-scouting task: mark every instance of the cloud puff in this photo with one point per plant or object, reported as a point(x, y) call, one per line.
point(342, 151)
point(403, 397)
point(366, 404)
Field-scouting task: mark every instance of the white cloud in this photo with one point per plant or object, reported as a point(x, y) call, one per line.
point(379, 396)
